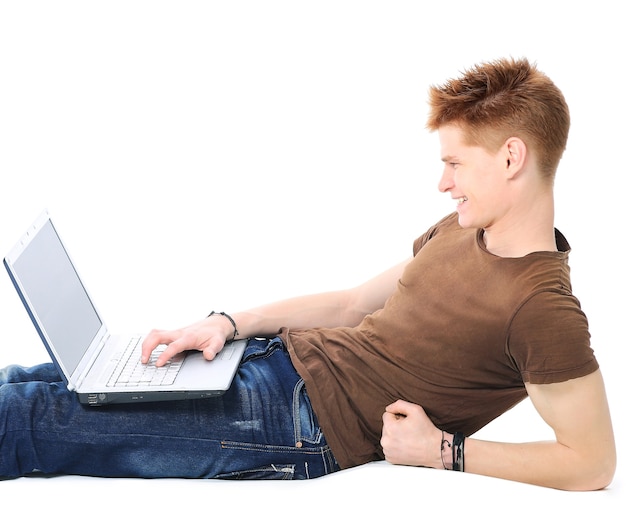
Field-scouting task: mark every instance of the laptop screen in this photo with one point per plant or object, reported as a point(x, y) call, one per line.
point(57, 296)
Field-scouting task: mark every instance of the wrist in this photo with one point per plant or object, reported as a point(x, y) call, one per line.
point(235, 332)
point(453, 451)
point(446, 450)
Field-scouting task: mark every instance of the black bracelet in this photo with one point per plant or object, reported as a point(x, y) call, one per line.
point(444, 443)
point(458, 452)
point(236, 333)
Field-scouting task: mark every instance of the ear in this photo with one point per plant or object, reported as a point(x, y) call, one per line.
point(516, 154)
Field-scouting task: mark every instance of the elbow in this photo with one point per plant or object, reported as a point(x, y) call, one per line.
point(597, 482)
point(604, 470)
point(603, 477)
point(598, 475)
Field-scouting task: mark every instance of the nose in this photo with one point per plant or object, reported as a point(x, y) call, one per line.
point(446, 183)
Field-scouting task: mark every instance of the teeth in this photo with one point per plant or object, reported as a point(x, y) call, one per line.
point(460, 200)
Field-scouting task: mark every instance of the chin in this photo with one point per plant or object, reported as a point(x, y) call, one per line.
point(466, 221)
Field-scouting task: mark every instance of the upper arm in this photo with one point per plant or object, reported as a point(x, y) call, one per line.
point(578, 413)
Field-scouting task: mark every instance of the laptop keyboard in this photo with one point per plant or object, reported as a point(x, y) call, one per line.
point(130, 372)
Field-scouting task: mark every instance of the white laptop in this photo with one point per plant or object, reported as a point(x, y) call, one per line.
point(90, 360)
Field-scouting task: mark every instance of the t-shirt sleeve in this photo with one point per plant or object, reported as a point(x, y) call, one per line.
point(549, 339)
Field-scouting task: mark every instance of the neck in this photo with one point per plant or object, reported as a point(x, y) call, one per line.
point(523, 229)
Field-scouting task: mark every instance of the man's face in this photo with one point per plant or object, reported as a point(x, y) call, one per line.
point(475, 179)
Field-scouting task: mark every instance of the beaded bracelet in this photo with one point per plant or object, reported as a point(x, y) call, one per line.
point(236, 333)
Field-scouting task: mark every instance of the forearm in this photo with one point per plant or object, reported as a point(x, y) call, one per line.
point(331, 309)
point(548, 464)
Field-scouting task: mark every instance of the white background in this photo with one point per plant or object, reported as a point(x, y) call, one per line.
point(218, 155)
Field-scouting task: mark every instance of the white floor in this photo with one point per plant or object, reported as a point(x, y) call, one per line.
point(376, 483)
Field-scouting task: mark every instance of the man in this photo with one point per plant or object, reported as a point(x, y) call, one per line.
point(412, 362)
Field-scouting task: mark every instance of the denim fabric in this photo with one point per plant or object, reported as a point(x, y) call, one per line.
point(262, 428)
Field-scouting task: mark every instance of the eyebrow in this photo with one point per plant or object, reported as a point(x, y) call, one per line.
point(449, 158)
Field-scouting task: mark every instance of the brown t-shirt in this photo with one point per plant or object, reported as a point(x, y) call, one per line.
point(461, 334)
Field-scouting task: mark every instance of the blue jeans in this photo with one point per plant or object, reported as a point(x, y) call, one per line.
point(262, 428)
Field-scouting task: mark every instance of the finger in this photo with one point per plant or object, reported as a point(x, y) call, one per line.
point(399, 407)
point(210, 352)
point(389, 417)
point(156, 337)
point(151, 341)
point(174, 348)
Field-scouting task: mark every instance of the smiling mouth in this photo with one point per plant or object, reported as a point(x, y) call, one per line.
point(460, 200)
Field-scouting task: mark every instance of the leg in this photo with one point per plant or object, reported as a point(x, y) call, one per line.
point(17, 374)
point(263, 427)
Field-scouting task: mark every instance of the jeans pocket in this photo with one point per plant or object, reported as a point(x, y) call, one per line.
point(306, 428)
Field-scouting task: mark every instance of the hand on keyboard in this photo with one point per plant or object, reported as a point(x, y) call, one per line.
point(208, 336)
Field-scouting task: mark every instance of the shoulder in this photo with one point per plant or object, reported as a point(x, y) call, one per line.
point(448, 223)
